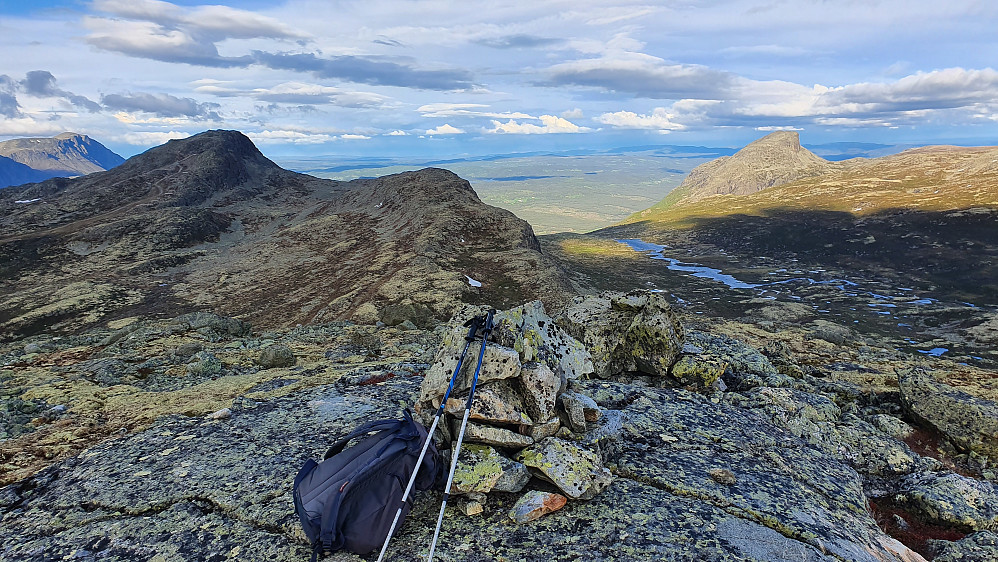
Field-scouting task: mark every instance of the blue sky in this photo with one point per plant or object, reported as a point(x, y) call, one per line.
point(446, 78)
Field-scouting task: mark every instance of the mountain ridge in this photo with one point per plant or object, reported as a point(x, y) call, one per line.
point(64, 155)
point(209, 222)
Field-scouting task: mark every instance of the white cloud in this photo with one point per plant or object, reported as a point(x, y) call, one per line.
point(573, 114)
point(770, 128)
point(549, 124)
point(659, 120)
point(149, 138)
point(351, 136)
point(445, 129)
point(289, 136)
point(467, 110)
point(301, 93)
point(397, 133)
point(642, 75)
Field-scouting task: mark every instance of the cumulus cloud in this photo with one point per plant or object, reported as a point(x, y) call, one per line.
point(467, 110)
point(282, 136)
point(162, 105)
point(445, 129)
point(659, 119)
point(644, 76)
point(351, 136)
point(150, 138)
point(573, 114)
point(397, 133)
point(549, 124)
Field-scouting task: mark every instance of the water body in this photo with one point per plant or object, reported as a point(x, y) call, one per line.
point(655, 252)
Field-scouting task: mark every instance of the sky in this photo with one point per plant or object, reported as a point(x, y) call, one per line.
point(435, 78)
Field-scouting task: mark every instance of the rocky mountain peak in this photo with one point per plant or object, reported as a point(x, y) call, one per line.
point(775, 159)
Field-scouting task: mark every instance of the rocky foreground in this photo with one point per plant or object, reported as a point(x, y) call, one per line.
point(178, 440)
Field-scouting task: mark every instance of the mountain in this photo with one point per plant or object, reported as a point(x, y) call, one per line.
point(15, 173)
point(209, 223)
point(65, 155)
point(775, 159)
point(929, 214)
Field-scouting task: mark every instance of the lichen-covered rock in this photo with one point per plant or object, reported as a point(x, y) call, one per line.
point(536, 336)
point(816, 419)
point(951, 500)
point(539, 385)
point(577, 472)
point(698, 371)
point(636, 331)
point(203, 364)
point(579, 410)
point(804, 504)
point(747, 366)
point(497, 402)
point(278, 355)
point(547, 429)
point(971, 423)
point(498, 363)
point(978, 547)
point(514, 476)
point(536, 504)
point(491, 435)
point(478, 469)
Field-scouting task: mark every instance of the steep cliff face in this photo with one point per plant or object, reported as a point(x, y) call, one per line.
point(210, 223)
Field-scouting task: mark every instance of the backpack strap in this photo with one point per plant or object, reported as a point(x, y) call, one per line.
point(378, 425)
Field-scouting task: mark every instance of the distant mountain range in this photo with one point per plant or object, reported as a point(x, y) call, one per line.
point(209, 223)
point(66, 155)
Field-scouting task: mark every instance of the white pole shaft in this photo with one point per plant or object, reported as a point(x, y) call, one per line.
point(408, 488)
point(450, 480)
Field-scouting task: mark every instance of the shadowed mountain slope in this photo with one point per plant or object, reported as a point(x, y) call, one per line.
point(210, 223)
point(68, 154)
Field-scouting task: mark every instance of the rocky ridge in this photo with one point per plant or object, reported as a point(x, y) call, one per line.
point(208, 222)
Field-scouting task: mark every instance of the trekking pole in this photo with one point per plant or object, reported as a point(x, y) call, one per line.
point(473, 326)
point(460, 436)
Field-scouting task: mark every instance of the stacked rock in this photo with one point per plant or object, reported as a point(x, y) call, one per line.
point(525, 421)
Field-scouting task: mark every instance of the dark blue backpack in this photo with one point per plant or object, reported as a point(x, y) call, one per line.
point(349, 500)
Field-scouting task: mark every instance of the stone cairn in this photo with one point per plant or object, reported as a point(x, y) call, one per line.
point(525, 420)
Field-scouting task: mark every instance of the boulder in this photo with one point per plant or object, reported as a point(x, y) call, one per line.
point(547, 429)
point(278, 355)
point(978, 547)
point(700, 372)
point(491, 435)
point(539, 386)
point(535, 504)
point(577, 472)
point(204, 364)
point(498, 363)
point(537, 337)
point(636, 331)
point(951, 500)
point(971, 423)
point(497, 403)
point(478, 469)
point(579, 410)
point(514, 476)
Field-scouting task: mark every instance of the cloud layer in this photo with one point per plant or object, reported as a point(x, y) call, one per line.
point(502, 74)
